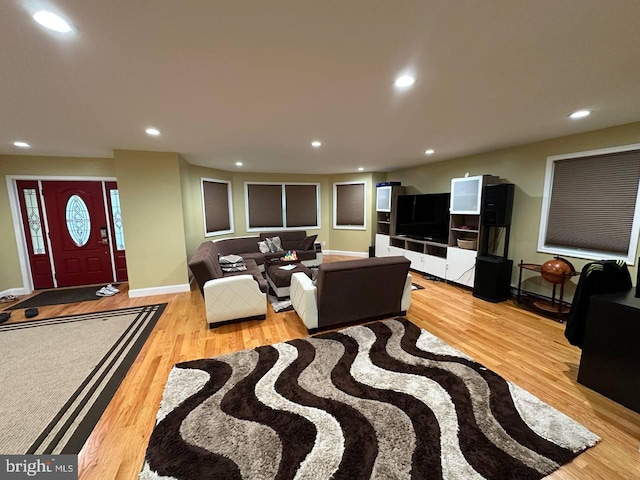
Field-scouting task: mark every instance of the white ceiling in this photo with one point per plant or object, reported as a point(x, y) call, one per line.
point(257, 81)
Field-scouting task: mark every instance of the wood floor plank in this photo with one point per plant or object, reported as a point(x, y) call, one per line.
point(522, 346)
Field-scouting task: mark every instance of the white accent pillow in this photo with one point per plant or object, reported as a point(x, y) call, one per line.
point(275, 245)
point(264, 247)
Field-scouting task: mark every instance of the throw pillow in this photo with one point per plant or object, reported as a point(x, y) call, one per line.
point(264, 247)
point(292, 244)
point(232, 263)
point(275, 245)
point(230, 259)
point(308, 242)
point(234, 268)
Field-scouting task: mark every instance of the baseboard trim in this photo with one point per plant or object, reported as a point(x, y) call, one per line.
point(147, 292)
point(15, 291)
point(345, 252)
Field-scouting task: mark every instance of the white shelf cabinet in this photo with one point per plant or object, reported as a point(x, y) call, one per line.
point(386, 206)
point(382, 245)
point(461, 266)
point(416, 251)
point(465, 224)
point(383, 198)
point(466, 195)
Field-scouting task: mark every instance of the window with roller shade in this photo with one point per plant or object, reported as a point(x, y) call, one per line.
point(282, 205)
point(349, 210)
point(590, 206)
point(217, 207)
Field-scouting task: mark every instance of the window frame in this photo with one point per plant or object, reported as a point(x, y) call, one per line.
point(630, 257)
point(283, 186)
point(230, 206)
point(364, 206)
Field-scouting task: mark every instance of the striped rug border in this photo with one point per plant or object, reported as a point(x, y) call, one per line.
point(80, 414)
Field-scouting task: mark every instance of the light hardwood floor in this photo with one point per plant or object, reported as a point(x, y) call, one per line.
point(523, 347)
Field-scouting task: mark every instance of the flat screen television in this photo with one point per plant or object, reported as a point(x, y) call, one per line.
point(424, 217)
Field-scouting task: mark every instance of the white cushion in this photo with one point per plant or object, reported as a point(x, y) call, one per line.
point(232, 298)
point(275, 245)
point(264, 247)
point(304, 300)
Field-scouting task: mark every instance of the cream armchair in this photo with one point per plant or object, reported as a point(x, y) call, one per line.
point(232, 298)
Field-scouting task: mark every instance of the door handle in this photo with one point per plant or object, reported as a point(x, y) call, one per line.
point(103, 241)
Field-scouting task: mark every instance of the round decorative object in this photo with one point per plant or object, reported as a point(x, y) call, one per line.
point(557, 270)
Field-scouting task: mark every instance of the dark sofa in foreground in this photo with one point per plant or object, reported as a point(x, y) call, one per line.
point(352, 291)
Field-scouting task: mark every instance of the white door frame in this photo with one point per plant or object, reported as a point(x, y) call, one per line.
point(21, 242)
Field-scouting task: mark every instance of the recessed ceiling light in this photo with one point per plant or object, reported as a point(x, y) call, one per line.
point(238, 164)
point(429, 151)
point(51, 21)
point(316, 144)
point(21, 144)
point(405, 81)
point(360, 169)
point(152, 131)
point(580, 114)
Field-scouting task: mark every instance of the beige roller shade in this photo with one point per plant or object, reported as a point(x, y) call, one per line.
point(593, 202)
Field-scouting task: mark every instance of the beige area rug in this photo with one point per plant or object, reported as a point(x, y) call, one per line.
point(59, 374)
point(386, 400)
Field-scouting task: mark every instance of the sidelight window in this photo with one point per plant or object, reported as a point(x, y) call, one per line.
point(117, 218)
point(33, 217)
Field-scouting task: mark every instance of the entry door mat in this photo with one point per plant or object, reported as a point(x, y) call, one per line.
point(59, 296)
point(384, 400)
point(59, 374)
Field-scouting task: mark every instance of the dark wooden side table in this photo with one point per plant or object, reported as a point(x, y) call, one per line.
point(610, 362)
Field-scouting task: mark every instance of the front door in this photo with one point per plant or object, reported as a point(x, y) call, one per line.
point(78, 232)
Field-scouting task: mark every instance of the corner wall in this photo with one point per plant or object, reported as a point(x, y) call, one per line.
point(153, 220)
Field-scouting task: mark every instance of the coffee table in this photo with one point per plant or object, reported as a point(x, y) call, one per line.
point(280, 279)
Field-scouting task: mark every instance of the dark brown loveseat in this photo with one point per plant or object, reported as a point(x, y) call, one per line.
point(352, 291)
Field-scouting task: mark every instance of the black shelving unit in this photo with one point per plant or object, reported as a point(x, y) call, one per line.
point(493, 271)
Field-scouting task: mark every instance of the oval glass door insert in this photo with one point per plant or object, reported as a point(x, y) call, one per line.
point(78, 221)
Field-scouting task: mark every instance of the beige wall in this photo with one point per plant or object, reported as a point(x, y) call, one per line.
point(525, 167)
point(10, 275)
point(335, 239)
point(162, 209)
point(152, 217)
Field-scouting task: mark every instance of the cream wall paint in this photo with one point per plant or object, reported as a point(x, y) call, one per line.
point(10, 276)
point(172, 186)
point(343, 240)
point(153, 219)
point(525, 167)
point(192, 197)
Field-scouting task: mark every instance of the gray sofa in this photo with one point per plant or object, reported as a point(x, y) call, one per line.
point(231, 296)
point(352, 291)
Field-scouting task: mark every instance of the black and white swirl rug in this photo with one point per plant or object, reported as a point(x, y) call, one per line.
point(385, 400)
